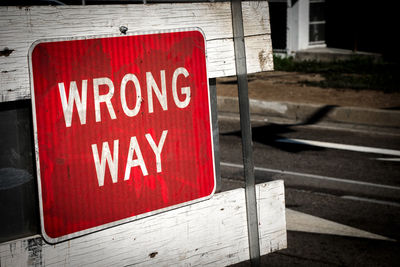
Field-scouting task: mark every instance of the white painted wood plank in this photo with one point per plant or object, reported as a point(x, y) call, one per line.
point(20, 27)
point(271, 218)
point(256, 18)
point(211, 232)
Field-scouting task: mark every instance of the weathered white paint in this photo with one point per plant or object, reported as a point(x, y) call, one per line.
point(212, 232)
point(21, 26)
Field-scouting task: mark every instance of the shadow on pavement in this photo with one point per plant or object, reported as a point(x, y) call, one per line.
point(270, 133)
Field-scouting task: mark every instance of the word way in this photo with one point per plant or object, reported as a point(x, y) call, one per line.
point(134, 150)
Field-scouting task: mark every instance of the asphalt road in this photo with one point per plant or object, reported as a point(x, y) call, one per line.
point(350, 177)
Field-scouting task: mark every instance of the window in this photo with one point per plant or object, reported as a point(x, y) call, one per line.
point(317, 22)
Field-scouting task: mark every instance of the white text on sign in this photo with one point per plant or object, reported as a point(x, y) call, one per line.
point(135, 158)
point(134, 148)
point(152, 87)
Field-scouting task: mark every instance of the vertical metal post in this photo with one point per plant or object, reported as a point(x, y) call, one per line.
point(244, 107)
point(214, 117)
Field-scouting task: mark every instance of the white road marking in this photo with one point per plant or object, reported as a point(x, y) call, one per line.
point(302, 222)
point(370, 200)
point(313, 176)
point(364, 149)
point(388, 159)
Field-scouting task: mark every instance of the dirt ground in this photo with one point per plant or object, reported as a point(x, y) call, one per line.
point(287, 87)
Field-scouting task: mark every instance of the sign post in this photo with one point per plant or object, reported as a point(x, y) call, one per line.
point(245, 126)
point(122, 128)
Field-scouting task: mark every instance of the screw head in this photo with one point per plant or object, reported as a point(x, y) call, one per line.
point(123, 29)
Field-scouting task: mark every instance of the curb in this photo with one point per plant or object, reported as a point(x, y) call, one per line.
point(312, 113)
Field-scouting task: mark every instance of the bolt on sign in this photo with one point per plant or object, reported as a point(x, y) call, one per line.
point(122, 128)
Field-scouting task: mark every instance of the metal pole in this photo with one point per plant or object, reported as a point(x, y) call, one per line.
point(214, 115)
point(244, 107)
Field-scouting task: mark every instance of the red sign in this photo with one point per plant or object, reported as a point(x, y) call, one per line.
point(122, 128)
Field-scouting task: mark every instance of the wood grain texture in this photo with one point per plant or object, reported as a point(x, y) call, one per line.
point(21, 26)
point(211, 232)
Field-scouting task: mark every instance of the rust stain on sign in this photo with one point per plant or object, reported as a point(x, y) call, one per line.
point(262, 59)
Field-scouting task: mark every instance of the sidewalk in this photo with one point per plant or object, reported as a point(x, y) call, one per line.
point(281, 96)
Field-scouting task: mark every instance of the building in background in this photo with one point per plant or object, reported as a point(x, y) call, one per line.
point(297, 25)
point(322, 25)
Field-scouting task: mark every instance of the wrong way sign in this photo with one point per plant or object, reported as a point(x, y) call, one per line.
point(122, 128)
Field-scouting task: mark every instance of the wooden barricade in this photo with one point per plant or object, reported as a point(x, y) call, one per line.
point(212, 232)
